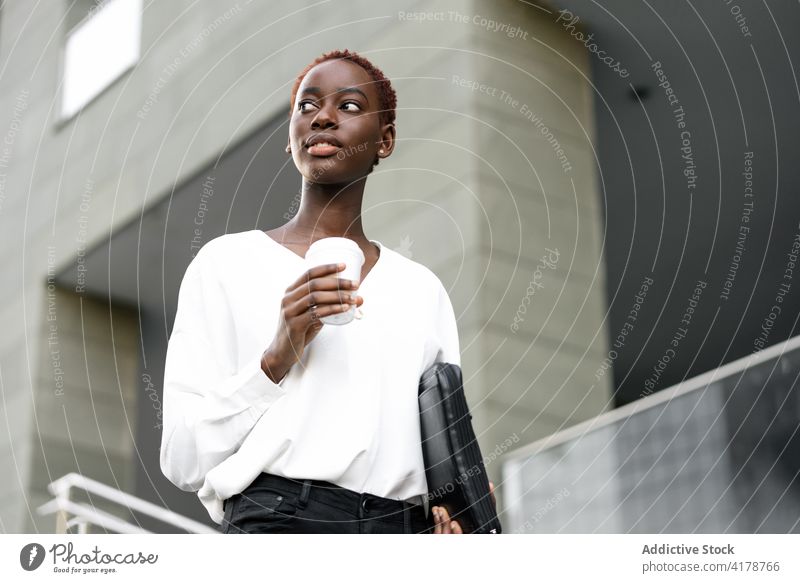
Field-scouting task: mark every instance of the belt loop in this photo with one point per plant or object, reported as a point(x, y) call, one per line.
point(362, 500)
point(306, 490)
point(406, 518)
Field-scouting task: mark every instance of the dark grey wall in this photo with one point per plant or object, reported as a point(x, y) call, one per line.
point(739, 94)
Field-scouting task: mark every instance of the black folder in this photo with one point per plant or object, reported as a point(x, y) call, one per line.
point(454, 466)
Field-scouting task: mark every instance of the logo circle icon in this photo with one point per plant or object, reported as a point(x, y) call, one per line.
point(31, 556)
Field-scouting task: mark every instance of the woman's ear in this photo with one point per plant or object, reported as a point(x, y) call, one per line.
point(387, 140)
point(288, 148)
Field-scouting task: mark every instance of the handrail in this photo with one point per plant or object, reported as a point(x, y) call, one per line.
point(88, 514)
point(693, 384)
point(61, 490)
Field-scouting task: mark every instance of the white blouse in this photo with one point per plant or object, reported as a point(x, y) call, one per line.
point(346, 412)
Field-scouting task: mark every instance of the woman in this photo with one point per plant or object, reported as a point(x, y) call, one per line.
point(279, 434)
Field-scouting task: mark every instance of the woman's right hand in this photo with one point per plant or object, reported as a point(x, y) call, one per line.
point(298, 323)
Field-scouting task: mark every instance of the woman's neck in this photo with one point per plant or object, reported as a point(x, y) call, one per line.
point(329, 210)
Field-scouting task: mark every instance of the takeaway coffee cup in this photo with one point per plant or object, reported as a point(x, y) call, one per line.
point(338, 250)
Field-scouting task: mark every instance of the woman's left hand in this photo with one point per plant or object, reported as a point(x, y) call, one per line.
point(442, 519)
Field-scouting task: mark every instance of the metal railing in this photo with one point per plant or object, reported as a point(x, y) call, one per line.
point(71, 514)
point(714, 453)
point(665, 395)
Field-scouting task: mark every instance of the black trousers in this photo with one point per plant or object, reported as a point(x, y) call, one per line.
point(274, 504)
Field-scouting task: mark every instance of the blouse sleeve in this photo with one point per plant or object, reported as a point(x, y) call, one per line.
point(445, 330)
point(210, 402)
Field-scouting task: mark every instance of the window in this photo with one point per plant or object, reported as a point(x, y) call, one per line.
point(98, 50)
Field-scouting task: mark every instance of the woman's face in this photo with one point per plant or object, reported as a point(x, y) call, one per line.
point(338, 102)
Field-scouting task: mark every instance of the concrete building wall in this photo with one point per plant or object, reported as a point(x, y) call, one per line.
point(85, 399)
point(543, 335)
point(211, 73)
point(482, 194)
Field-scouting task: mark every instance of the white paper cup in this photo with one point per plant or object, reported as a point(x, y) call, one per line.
point(338, 250)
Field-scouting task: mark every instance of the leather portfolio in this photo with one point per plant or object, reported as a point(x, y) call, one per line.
point(454, 466)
